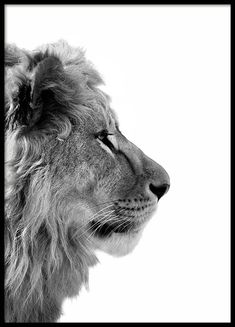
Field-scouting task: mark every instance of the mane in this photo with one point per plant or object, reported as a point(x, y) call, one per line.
point(47, 256)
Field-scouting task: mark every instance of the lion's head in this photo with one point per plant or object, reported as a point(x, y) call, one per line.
point(75, 183)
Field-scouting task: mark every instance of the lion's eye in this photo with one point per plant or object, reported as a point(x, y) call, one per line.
point(103, 137)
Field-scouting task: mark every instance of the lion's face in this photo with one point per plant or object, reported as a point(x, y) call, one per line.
point(114, 186)
point(110, 187)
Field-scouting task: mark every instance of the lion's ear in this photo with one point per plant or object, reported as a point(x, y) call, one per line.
point(18, 111)
point(34, 97)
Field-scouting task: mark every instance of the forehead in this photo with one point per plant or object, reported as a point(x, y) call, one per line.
point(99, 119)
point(110, 119)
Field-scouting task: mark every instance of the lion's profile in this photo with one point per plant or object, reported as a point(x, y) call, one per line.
point(74, 182)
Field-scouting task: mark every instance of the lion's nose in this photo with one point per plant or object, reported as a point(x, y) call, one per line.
point(159, 190)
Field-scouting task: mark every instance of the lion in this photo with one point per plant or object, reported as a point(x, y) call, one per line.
point(74, 183)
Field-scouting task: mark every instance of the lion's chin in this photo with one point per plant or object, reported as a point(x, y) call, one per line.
point(119, 244)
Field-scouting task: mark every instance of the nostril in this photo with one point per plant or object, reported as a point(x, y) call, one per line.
point(160, 190)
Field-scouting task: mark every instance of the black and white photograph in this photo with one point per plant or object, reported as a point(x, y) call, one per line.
point(117, 163)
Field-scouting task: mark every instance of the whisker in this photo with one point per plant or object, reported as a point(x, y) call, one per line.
point(101, 223)
point(108, 216)
point(87, 229)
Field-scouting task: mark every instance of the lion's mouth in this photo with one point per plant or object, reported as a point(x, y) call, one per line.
point(124, 222)
point(107, 229)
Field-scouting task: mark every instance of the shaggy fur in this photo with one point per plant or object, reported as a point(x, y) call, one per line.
point(44, 263)
point(52, 104)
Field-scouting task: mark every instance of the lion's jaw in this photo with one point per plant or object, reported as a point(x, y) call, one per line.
point(120, 242)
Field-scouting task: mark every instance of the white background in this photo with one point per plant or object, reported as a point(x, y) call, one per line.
point(167, 69)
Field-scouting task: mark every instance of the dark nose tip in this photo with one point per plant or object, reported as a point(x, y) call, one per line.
point(159, 190)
